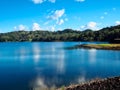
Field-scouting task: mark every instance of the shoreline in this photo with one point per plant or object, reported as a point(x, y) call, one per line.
point(98, 84)
point(97, 46)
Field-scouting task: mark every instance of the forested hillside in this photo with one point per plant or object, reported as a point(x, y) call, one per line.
point(105, 34)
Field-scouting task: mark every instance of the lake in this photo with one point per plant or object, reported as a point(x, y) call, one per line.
point(29, 66)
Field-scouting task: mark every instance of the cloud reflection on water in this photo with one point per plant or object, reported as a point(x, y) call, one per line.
point(36, 52)
point(81, 79)
point(54, 58)
point(44, 65)
point(22, 54)
point(92, 56)
point(61, 63)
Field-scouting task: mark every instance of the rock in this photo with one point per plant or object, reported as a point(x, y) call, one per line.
point(103, 84)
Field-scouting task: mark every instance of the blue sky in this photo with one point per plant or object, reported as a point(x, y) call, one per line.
point(58, 14)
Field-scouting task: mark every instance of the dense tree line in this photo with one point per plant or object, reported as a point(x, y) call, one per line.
point(105, 34)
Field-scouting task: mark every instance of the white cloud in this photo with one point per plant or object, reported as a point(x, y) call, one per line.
point(82, 27)
point(38, 1)
point(79, 0)
point(60, 22)
point(52, 1)
point(102, 17)
point(36, 26)
point(66, 19)
point(105, 13)
point(117, 22)
point(57, 14)
point(41, 1)
point(59, 29)
point(92, 25)
point(21, 27)
point(46, 23)
point(114, 9)
point(15, 28)
point(52, 28)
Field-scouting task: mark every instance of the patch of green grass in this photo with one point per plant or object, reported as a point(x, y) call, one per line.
point(108, 45)
point(104, 45)
point(97, 46)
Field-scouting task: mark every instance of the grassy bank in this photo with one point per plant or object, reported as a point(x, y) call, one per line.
point(100, 84)
point(97, 46)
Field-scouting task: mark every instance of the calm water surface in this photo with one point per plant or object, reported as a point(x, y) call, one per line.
point(27, 66)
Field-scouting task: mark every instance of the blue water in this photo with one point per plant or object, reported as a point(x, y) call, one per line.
point(28, 66)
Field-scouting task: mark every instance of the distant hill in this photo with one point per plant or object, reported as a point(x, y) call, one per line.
point(105, 34)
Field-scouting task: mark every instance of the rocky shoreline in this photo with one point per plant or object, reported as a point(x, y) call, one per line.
point(99, 84)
